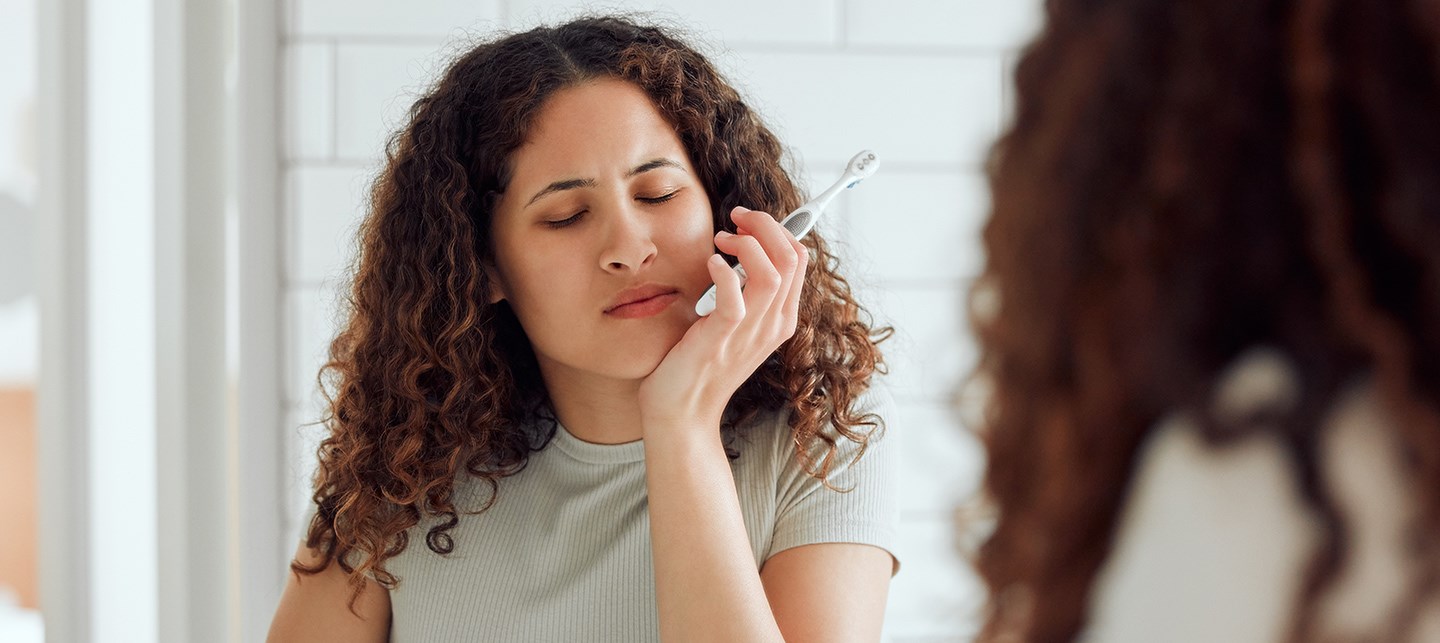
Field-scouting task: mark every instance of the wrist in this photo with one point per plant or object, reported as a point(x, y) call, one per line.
point(682, 431)
point(696, 418)
point(665, 404)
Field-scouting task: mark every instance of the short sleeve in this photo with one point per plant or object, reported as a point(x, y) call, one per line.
point(862, 507)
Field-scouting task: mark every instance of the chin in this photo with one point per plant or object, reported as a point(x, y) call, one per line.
point(638, 359)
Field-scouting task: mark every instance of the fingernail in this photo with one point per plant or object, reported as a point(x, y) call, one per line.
point(723, 234)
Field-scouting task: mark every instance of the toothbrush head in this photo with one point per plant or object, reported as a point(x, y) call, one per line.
point(861, 167)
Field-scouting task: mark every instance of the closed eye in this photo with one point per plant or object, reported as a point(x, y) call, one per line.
point(658, 199)
point(566, 221)
point(652, 200)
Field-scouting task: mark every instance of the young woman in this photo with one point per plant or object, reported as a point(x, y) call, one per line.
point(1210, 320)
point(533, 436)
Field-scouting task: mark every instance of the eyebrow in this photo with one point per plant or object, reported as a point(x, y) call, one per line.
point(571, 184)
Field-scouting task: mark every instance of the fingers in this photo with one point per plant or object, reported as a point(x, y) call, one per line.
point(789, 258)
point(762, 280)
point(772, 236)
point(729, 303)
point(776, 264)
point(791, 310)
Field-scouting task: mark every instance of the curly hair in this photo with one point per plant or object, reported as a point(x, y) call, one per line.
point(428, 383)
point(1181, 182)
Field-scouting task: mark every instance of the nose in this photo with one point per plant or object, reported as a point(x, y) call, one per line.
point(629, 243)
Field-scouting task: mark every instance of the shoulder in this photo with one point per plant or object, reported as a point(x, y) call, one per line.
point(1210, 541)
point(1213, 540)
point(770, 438)
point(865, 435)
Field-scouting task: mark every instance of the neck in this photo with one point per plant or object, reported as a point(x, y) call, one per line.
point(594, 409)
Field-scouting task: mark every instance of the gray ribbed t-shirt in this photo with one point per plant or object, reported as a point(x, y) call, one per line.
point(564, 553)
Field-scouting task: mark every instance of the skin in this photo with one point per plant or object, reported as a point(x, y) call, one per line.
point(664, 379)
point(560, 280)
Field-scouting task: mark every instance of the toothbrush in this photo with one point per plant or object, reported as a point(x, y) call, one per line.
point(803, 218)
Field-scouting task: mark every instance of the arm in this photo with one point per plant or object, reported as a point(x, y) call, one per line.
point(316, 608)
point(707, 586)
point(830, 564)
point(829, 591)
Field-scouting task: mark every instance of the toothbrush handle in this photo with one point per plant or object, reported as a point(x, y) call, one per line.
point(801, 220)
point(706, 305)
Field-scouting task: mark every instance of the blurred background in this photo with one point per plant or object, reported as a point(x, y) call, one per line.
point(179, 185)
point(19, 327)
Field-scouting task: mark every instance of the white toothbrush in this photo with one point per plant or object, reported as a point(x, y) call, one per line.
point(803, 218)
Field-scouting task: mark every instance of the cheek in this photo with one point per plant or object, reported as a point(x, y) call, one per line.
point(541, 281)
point(690, 245)
point(698, 228)
point(695, 239)
point(528, 274)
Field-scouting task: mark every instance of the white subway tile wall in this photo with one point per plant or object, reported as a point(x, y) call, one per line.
point(824, 104)
point(934, 215)
point(386, 19)
point(329, 201)
point(375, 85)
point(789, 23)
point(310, 101)
point(970, 25)
point(923, 82)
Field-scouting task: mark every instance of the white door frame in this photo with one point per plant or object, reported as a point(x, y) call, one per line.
point(62, 400)
point(261, 451)
point(200, 555)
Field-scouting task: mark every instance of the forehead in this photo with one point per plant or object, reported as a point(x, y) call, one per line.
point(594, 130)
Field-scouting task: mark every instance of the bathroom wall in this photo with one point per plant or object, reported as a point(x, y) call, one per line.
point(921, 82)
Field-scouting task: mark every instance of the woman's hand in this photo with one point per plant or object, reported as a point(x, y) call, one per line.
point(697, 530)
point(695, 381)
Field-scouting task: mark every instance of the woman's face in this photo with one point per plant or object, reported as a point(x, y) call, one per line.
point(603, 208)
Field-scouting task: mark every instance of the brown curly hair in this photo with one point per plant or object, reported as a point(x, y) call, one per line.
point(1183, 181)
point(427, 382)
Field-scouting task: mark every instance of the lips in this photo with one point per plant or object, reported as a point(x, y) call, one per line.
point(642, 294)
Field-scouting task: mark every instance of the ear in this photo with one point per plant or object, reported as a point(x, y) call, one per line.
point(497, 285)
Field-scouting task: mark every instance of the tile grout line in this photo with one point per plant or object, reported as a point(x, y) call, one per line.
point(742, 47)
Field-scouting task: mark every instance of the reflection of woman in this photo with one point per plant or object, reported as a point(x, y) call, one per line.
point(1209, 318)
point(522, 344)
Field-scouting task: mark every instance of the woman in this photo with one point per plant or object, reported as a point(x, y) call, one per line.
point(1209, 325)
point(533, 436)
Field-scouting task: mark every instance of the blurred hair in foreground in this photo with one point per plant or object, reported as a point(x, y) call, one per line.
point(1184, 182)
